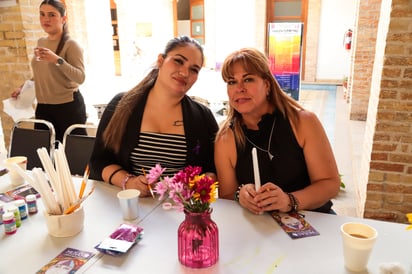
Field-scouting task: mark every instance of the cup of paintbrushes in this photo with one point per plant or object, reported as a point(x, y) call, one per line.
point(65, 225)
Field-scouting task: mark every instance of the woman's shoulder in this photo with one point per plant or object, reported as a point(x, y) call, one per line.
point(196, 106)
point(71, 41)
point(71, 45)
point(226, 135)
point(307, 116)
point(117, 98)
point(309, 125)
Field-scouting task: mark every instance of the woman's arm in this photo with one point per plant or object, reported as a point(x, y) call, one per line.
point(225, 161)
point(101, 155)
point(73, 68)
point(320, 161)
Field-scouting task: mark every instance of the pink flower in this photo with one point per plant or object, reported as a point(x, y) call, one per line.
point(187, 189)
point(155, 173)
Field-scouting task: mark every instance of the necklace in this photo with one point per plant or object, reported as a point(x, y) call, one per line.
point(270, 155)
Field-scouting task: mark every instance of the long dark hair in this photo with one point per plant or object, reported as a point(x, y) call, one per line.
point(61, 7)
point(116, 128)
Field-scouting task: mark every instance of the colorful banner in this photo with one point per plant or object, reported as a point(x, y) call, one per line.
point(285, 46)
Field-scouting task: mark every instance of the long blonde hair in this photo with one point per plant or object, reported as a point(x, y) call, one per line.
point(255, 62)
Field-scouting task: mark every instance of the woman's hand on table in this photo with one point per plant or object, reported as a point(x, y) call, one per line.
point(268, 198)
point(246, 198)
point(140, 183)
point(271, 197)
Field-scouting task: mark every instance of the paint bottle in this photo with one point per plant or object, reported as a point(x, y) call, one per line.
point(1, 214)
point(21, 205)
point(31, 201)
point(9, 223)
point(15, 210)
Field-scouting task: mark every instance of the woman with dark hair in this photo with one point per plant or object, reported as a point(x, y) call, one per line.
point(58, 71)
point(156, 123)
point(296, 163)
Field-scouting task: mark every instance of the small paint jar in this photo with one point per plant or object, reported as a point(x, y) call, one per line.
point(1, 214)
point(21, 205)
point(31, 201)
point(15, 210)
point(9, 223)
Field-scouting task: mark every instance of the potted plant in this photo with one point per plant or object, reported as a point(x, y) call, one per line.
point(345, 82)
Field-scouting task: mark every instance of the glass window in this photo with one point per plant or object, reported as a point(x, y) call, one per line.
point(197, 28)
point(197, 12)
point(290, 8)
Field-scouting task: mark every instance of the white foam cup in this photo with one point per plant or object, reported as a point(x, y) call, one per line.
point(358, 241)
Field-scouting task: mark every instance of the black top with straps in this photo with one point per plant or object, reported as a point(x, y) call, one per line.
point(287, 169)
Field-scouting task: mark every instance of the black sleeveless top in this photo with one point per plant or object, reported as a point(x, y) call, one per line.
point(287, 169)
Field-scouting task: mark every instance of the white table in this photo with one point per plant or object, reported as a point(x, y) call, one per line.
point(31, 247)
point(248, 243)
point(256, 244)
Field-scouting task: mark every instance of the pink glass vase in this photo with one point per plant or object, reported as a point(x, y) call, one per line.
point(198, 240)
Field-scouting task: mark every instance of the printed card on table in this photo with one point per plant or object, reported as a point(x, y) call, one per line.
point(22, 191)
point(294, 225)
point(68, 261)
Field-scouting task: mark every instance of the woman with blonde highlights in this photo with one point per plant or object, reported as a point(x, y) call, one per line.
point(296, 162)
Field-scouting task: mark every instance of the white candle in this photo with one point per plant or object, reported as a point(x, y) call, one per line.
point(256, 168)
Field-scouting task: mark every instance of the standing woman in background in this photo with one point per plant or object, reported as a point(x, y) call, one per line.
point(58, 71)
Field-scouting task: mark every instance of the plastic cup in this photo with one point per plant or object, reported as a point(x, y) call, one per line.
point(15, 178)
point(129, 203)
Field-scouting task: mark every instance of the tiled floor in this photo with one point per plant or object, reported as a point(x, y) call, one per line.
point(325, 100)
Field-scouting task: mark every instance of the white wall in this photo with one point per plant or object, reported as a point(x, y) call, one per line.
point(99, 59)
point(183, 27)
point(337, 16)
point(159, 14)
point(235, 26)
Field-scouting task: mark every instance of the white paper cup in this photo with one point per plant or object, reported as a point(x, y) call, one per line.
point(129, 203)
point(15, 178)
point(65, 225)
point(358, 241)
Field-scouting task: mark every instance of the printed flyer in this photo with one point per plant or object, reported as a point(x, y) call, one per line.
point(68, 261)
point(294, 225)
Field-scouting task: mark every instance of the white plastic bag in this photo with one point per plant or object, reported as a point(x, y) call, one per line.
point(22, 106)
point(27, 95)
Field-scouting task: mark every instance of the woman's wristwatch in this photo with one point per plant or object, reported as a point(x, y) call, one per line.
point(60, 61)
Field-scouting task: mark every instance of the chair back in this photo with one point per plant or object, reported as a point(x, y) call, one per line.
point(25, 140)
point(78, 148)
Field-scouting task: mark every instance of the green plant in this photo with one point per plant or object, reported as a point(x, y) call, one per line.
point(345, 81)
point(342, 184)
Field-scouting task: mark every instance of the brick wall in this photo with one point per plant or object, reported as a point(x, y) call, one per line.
point(364, 55)
point(19, 31)
point(18, 35)
point(312, 37)
point(388, 139)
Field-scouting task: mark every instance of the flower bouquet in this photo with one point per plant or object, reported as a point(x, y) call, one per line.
point(192, 193)
point(189, 189)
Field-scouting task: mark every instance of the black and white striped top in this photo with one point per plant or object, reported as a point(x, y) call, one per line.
point(168, 150)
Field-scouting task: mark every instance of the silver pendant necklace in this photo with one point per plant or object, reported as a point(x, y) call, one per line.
point(270, 155)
